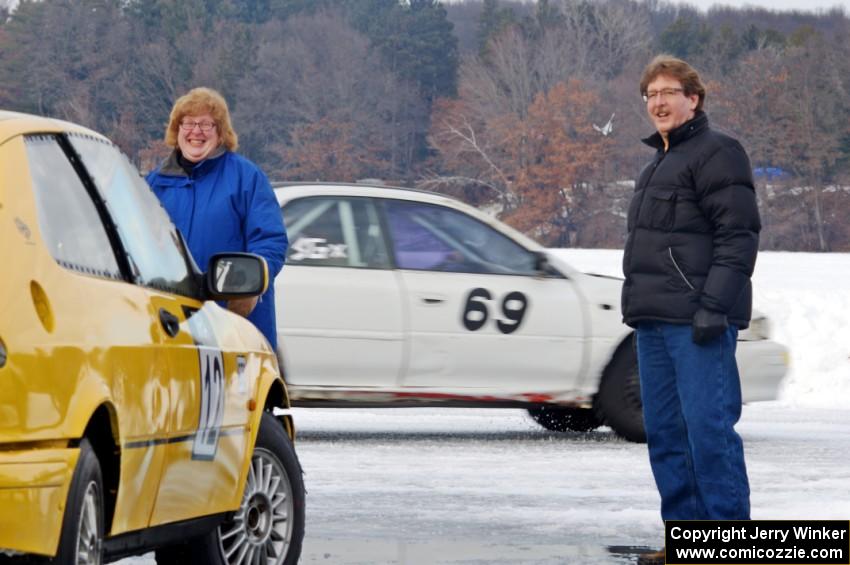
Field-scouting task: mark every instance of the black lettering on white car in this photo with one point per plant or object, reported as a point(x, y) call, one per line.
point(514, 305)
point(475, 310)
point(211, 391)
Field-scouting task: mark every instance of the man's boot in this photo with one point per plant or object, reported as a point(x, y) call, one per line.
point(654, 558)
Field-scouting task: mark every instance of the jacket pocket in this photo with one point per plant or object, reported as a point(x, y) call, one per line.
point(660, 209)
point(679, 270)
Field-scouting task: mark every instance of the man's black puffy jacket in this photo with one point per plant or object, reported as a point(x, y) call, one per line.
point(693, 230)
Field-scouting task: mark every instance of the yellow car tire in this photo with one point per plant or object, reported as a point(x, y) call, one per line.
point(269, 524)
point(81, 541)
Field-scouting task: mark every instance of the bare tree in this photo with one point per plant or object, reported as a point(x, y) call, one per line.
point(538, 166)
point(603, 38)
point(306, 84)
point(784, 107)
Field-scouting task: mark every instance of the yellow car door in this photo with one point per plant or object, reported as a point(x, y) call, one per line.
point(209, 418)
point(207, 436)
point(93, 341)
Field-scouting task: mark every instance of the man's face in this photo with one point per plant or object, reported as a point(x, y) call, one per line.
point(197, 137)
point(667, 105)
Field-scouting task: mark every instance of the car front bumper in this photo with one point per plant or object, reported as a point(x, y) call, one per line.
point(33, 490)
point(762, 365)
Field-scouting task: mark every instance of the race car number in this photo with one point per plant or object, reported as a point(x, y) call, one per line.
point(212, 403)
point(476, 310)
point(211, 391)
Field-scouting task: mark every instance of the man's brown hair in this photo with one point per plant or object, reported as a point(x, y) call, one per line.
point(675, 68)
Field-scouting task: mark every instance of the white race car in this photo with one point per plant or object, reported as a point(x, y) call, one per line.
point(395, 297)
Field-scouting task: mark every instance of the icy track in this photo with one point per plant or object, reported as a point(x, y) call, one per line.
point(463, 486)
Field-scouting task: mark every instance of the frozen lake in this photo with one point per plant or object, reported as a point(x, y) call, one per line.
point(430, 485)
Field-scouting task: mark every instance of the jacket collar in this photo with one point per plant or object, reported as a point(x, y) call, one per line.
point(171, 167)
point(682, 133)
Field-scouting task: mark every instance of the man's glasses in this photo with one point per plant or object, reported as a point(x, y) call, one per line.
point(189, 125)
point(658, 94)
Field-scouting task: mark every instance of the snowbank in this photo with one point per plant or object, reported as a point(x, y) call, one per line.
point(806, 296)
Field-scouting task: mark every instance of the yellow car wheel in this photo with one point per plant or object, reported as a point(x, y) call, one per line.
point(268, 527)
point(81, 542)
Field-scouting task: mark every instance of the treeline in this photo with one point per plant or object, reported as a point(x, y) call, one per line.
point(528, 109)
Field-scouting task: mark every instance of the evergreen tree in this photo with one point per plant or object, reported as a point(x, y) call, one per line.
point(492, 21)
point(686, 38)
point(415, 39)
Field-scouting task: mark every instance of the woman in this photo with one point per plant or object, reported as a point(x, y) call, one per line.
point(218, 199)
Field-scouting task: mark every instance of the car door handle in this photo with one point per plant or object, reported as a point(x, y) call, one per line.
point(432, 300)
point(169, 322)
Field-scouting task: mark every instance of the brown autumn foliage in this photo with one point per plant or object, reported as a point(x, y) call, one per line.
point(540, 167)
point(326, 149)
point(782, 107)
point(316, 93)
point(556, 153)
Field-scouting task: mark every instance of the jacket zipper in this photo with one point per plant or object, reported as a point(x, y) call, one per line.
point(681, 274)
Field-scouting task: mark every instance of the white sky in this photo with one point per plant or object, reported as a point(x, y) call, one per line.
point(778, 5)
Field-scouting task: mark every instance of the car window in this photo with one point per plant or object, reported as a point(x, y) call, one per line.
point(437, 238)
point(149, 237)
point(68, 219)
point(337, 232)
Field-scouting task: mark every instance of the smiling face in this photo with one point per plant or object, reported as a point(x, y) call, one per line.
point(196, 144)
point(668, 106)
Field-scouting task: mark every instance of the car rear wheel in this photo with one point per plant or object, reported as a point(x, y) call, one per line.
point(268, 527)
point(81, 541)
point(618, 403)
point(564, 418)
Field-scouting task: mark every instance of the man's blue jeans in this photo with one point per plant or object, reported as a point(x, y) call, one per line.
point(691, 402)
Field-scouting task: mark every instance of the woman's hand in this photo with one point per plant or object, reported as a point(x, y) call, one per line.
point(243, 306)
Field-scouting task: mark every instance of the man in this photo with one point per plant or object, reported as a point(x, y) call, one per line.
point(693, 232)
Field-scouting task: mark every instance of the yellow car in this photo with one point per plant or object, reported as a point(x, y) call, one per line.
point(135, 412)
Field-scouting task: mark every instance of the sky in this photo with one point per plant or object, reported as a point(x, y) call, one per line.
point(778, 5)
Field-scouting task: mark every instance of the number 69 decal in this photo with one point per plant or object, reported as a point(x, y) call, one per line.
point(476, 311)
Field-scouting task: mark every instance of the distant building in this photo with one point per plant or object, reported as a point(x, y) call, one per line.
point(771, 173)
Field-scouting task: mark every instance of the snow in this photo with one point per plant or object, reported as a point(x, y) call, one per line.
point(806, 297)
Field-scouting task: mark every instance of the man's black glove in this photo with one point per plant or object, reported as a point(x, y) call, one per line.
point(707, 326)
